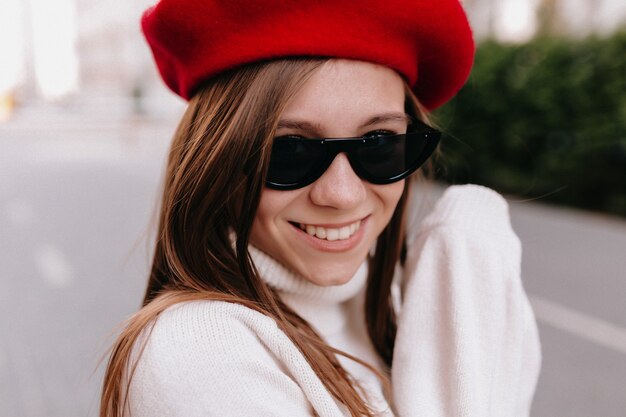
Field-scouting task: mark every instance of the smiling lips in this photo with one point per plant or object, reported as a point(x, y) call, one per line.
point(331, 234)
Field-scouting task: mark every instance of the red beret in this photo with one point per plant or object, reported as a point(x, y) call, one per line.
point(427, 41)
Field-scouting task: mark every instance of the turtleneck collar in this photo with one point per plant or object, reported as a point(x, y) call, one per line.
point(290, 283)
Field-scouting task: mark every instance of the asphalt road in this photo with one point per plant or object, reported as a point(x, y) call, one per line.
point(76, 202)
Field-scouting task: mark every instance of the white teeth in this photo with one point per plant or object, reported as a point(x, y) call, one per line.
point(331, 234)
point(344, 232)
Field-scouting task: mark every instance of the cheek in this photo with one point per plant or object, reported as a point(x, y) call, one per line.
point(273, 210)
point(389, 195)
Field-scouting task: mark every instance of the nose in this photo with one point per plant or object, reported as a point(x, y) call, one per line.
point(339, 187)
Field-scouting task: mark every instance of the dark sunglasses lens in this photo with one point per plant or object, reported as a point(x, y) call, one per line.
point(386, 158)
point(293, 161)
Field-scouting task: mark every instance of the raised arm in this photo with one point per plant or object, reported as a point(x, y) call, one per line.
point(467, 341)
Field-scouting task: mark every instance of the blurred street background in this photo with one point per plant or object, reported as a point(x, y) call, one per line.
point(85, 123)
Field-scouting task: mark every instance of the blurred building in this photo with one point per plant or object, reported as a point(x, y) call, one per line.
point(520, 20)
point(109, 46)
point(85, 51)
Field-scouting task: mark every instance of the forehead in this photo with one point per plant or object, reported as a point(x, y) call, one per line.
point(342, 93)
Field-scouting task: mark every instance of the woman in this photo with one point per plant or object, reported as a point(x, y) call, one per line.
point(271, 288)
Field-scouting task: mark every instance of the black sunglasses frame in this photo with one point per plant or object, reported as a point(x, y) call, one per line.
point(334, 146)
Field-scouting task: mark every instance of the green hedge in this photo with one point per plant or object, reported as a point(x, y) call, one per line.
point(543, 120)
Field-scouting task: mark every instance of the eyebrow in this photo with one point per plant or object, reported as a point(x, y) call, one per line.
point(308, 127)
point(387, 117)
point(313, 128)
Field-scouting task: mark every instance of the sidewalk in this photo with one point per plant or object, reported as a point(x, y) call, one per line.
point(574, 270)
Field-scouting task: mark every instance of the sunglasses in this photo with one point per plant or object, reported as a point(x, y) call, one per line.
point(379, 159)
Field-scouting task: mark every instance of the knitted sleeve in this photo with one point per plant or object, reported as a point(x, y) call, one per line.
point(210, 358)
point(467, 341)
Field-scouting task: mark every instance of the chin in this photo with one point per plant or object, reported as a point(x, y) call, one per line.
point(331, 276)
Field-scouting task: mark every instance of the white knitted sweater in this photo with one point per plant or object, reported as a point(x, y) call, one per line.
point(467, 342)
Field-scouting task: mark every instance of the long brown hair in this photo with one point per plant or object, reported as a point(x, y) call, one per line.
point(213, 182)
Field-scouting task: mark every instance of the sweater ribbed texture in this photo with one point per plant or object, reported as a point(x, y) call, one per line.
point(467, 342)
